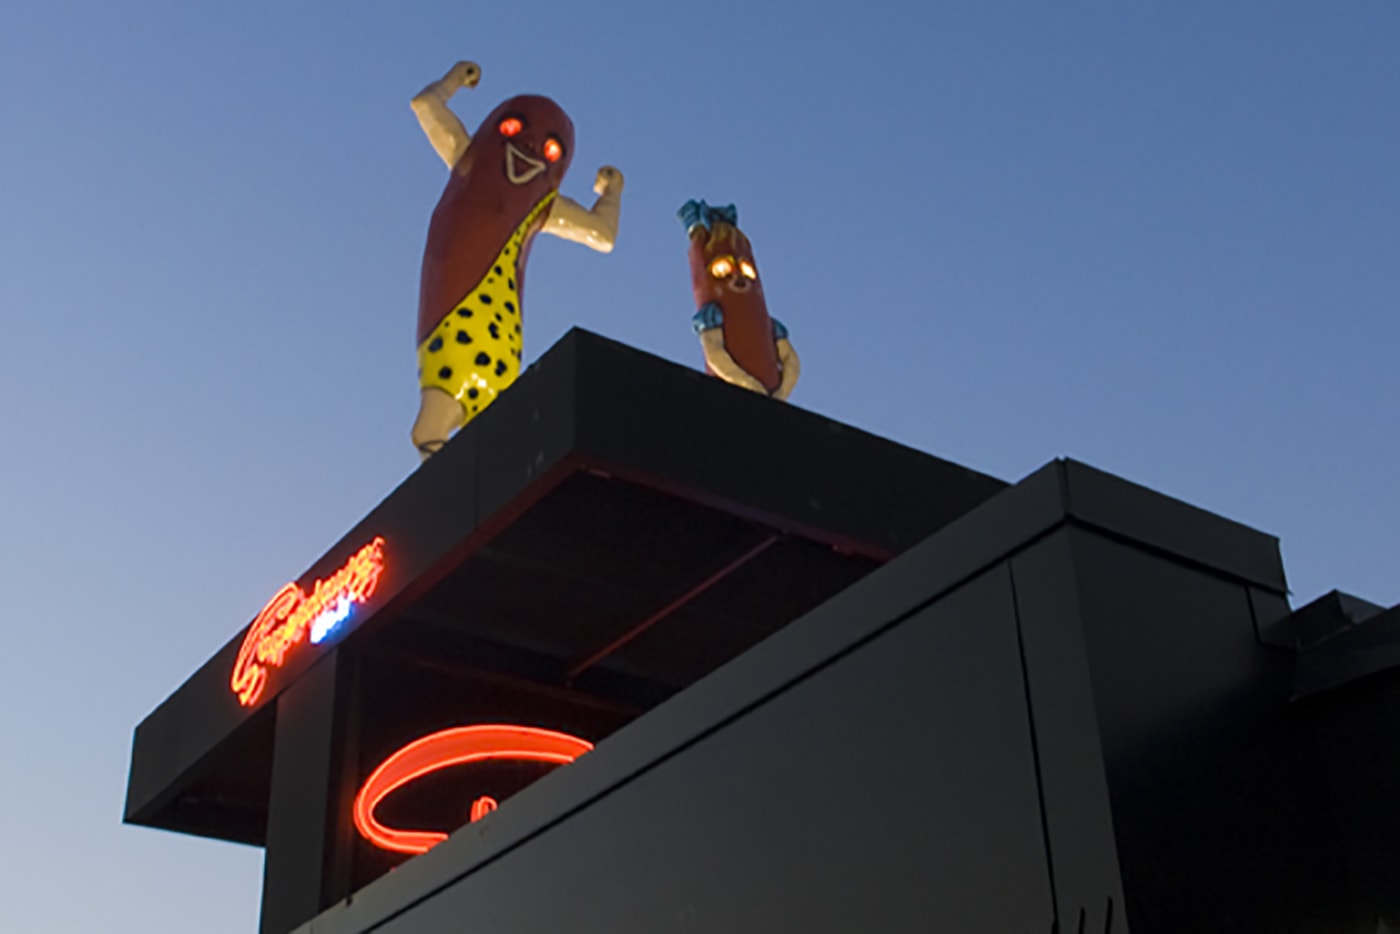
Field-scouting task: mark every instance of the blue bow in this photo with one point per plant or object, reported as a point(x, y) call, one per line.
point(699, 214)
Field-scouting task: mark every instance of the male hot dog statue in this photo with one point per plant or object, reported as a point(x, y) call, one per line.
point(503, 190)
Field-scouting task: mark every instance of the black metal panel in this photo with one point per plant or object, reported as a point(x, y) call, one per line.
point(1355, 731)
point(229, 801)
point(1329, 615)
point(1185, 531)
point(761, 457)
point(593, 555)
point(1347, 711)
point(307, 861)
point(175, 738)
point(528, 435)
point(1341, 639)
point(1074, 785)
point(1190, 709)
point(892, 791)
point(784, 582)
point(1270, 608)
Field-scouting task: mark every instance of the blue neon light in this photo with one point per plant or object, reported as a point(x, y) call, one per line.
point(324, 624)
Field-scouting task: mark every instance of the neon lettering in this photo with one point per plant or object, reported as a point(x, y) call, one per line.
point(457, 746)
point(293, 615)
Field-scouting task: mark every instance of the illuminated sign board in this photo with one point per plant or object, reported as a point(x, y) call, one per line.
point(458, 746)
point(293, 615)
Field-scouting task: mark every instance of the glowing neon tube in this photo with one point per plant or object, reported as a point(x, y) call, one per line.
point(458, 746)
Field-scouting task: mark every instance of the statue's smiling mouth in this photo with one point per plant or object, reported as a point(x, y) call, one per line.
point(520, 168)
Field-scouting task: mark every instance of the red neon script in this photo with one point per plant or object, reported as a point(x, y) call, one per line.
point(289, 616)
point(459, 746)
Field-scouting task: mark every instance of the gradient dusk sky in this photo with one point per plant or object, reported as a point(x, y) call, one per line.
point(1161, 238)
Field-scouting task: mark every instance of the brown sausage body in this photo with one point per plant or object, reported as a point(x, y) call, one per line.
point(748, 330)
point(480, 207)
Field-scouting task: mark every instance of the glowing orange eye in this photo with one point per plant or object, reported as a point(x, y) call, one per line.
point(722, 268)
point(511, 126)
point(747, 269)
point(553, 149)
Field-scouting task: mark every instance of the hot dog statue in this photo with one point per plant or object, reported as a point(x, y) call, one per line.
point(741, 343)
point(503, 190)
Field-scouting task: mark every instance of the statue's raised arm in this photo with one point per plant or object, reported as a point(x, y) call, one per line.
point(503, 189)
point(442, 127)
point(594, 227)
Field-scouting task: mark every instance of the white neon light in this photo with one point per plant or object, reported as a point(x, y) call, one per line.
point(330, 618)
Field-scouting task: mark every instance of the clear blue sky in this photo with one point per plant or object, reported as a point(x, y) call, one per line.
point(1160, 238)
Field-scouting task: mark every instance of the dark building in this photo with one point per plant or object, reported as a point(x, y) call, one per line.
point(835, 685)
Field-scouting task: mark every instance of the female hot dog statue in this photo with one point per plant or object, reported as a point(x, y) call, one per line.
point(741, 343)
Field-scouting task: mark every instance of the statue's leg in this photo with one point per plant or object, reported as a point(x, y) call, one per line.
point(438, 416)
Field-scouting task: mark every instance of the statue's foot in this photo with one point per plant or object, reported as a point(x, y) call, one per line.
point(438, 416)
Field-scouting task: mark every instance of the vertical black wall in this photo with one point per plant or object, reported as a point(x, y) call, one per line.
point(308, 860)
point(1188, 712)
point(893, 790)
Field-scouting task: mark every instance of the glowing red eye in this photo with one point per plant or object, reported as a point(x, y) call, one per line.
point(553, 149)
point(511, 126)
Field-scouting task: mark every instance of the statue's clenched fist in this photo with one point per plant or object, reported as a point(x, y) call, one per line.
point(609, 181)
point(464, 74)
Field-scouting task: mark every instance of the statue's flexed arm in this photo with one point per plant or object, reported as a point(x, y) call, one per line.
point(594, 227)
point(447, 134)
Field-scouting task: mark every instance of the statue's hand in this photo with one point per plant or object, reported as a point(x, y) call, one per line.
point(609, 181)
point(464, 74)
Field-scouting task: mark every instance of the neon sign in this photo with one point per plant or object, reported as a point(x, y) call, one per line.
point(293, 615)
point(458, 746)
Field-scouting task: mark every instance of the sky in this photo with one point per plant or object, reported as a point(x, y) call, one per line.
point(1160, 238)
